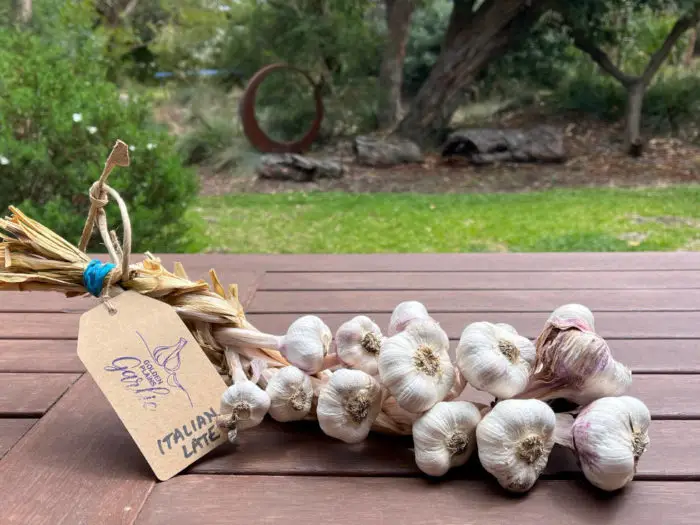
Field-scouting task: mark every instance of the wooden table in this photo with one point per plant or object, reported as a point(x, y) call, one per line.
point(68, 460)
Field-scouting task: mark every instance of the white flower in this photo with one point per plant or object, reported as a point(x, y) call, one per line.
point(132, 148)
point(77, 117)
point(224, 8)
point(91, 130)
point(150, 146)
point(4, 161)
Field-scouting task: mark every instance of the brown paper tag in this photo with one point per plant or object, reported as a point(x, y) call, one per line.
point(157, 379)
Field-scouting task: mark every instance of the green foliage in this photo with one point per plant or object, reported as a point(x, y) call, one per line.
point(586, 220)
point(59, 118)
point(337, 42)
point(215, 137)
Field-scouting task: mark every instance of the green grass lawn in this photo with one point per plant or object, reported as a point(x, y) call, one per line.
point(555, 220)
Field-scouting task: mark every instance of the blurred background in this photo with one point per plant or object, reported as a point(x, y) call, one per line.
point(449, 125)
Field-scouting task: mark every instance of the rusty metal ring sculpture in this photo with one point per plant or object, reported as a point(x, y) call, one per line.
point(255, 134)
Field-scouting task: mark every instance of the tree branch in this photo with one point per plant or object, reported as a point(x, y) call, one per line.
point(600, 57)
point(660, 55)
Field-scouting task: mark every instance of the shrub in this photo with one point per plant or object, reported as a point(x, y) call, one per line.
point(59, 118)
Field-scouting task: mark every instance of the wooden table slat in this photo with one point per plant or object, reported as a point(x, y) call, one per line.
point(11, 431)
point(77, 465)
point(279, 499)
point(31, 394)
point(439, 301)
point(42, 355)
point(619, 280)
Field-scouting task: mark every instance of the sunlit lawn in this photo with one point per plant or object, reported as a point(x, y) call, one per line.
point(560, 220)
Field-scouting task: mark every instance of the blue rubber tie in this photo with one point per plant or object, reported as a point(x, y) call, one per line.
point(94, 276)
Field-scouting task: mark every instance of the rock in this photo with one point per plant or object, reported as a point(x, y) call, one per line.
point(299, 168)
point(484, 146)
point(382, 152)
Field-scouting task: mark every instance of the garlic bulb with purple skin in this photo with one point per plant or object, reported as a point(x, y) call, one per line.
point(358, 343)
point(404, 314)
point(575, 313)
point(575, 365)
point(608, 436)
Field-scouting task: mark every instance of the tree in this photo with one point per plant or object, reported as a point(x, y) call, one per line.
point(478, 32)
point(398, 21)
point(23, 11)
point(584, 21)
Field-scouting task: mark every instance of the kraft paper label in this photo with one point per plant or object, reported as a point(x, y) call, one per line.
point(157, 379)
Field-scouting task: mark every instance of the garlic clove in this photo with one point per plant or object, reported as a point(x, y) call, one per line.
point(514, 440)
point(609, 436)
point(291, 394)
point(495, 359)
point(306, 343)
point(348, 405)
point(445, 436)
point(358, 343)
point(574, 312)
point(414, 365)
point(405, 313)
point(244, 404)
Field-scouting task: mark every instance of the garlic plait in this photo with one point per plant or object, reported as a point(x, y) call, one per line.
point(348, 405)
point(445, 436)
point(404, 314)
point(495, 359)
point(358, 342)
point(609, 436)
point(575, 365)
point(291, 394)
point(414, 365)
point(514, 441)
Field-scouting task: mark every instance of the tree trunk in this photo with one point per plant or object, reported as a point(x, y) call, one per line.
point(398, 21)
point(633, 117)
point(472, 41)
point(690, 51)
point(23, 11)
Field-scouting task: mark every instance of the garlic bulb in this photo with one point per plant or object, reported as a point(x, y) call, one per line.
point(243, 405)
point(358, 343)
point(575, 312)
point(348, 405)
point(306, 343)
point(514, 441)
point(445, 436)
point(291, 394)
point(404, 314)
point(495, 359)
point(415, 367)
point(609, 436)
point(575, 365)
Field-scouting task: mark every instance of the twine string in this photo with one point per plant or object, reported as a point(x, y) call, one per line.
point(99, 277)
